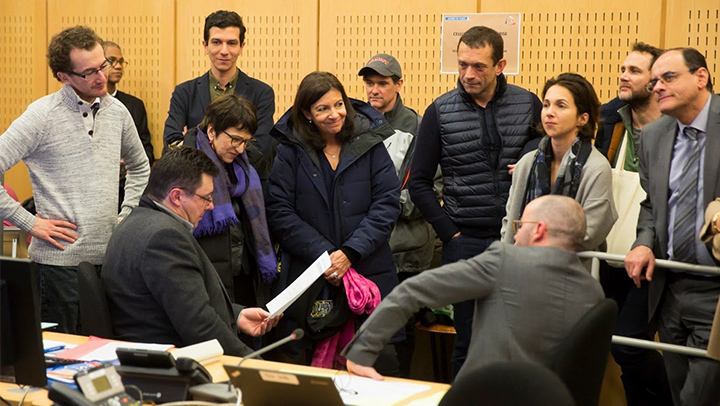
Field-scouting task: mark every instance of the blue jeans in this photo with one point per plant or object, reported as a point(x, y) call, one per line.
point(59, 298)
point(463, 247)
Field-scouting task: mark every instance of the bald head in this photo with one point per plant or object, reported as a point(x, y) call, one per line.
point(563, 219)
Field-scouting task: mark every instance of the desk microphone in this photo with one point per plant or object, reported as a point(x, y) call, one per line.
point(297, 334)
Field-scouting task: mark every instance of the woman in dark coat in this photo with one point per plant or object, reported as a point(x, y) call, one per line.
point(333, 188)
point(234, 234)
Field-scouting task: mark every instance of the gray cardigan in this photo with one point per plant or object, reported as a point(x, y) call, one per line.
point(526, 301)
point(594, 195)
point(74, 165)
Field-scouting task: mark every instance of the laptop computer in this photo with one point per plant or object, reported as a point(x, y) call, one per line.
point(262, 387)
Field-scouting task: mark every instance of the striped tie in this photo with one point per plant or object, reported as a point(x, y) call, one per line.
point(684, 234)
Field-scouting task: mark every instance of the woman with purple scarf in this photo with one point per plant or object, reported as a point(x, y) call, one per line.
point(234, 234)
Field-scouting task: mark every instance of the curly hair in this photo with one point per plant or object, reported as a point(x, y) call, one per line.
point(62, 43)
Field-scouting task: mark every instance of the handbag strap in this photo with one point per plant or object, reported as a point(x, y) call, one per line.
point(623, 151)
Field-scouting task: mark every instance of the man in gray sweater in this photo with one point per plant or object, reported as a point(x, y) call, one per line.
point(527, 297)
point(72, 142)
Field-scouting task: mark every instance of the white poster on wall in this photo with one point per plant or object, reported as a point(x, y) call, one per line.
point(455, 25)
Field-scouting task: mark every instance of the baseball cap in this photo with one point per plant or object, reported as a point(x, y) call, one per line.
point(382, 64)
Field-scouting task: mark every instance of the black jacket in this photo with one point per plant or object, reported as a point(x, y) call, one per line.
point(359, 215)
point(136, 107)
point(475, 175)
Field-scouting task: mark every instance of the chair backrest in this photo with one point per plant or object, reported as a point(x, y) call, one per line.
point(94, 311)
point(581, 357)
point(508, 384)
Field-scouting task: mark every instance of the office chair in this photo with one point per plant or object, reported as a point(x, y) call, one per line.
point(581, 357)
point(508, 384)
point(94, 311)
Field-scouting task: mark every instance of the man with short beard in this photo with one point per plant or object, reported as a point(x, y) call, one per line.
point(643, 372)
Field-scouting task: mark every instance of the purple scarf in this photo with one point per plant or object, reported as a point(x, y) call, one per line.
point(222, 216)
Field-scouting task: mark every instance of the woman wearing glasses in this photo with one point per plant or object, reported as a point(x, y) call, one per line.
point(333, 188)
point(234, 234)
point(566, 163)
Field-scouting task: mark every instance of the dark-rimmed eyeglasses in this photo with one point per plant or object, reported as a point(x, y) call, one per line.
point(91, 74)
point(114, 62)
point(238, 142)
point(517, 224)
point(667, 77)
point(208, 199)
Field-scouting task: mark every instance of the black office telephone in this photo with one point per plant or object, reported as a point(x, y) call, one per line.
point(160, 376)
point(100, 386)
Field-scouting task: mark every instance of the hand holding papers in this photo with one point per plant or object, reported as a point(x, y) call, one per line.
point(299, 286)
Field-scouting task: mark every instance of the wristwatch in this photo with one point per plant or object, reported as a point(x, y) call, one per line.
point(714, 223)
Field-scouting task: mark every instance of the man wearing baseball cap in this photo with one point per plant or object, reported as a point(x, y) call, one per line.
point(413, 239)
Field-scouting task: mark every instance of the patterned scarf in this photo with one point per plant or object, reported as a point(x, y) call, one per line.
point(249, 190)
point(568, 178)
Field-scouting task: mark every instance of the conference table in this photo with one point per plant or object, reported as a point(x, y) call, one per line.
point(39, 397)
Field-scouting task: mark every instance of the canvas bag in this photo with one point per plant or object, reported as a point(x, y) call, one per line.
point(627, 194)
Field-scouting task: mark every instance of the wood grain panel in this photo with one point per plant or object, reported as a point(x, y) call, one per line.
point(590, 38)
point(23, 66)
point(352, 32)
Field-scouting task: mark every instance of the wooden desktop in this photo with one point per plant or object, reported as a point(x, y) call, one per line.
point(39, 397)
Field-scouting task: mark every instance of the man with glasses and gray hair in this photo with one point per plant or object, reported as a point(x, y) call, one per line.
point(679, 171)
point(71, 142)
point(517, 317)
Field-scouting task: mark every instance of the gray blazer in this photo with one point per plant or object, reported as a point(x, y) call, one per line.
point(526, 301)
point(656, 147)
point(162, 288)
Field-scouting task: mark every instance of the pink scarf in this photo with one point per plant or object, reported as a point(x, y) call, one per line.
point(363, 297)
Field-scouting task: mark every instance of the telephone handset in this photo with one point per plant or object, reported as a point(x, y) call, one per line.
point(160, 376)
point(100, 386)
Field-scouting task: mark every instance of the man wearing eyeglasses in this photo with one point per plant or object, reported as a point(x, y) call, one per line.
point(160, 284)
point(224, 41)
point(526, 297)
point(679, 170)
point(136, 107)
point(71, 142)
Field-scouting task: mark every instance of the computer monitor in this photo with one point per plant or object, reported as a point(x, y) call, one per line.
point(22, 359)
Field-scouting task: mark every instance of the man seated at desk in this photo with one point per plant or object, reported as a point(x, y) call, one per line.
point(161, 287)
point(527, 296)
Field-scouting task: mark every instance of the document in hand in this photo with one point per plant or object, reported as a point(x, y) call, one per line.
point(299, 286)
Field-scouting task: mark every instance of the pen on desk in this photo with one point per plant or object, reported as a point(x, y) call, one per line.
point(53, 349)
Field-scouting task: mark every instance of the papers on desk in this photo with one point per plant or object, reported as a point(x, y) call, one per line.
point(100, 349)
point(204, 353)
point(299, 286)
point(355, 390)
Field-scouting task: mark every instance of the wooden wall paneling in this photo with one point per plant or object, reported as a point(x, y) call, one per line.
point(23, 66)
point(352, 32)
point(696, 24)
point(145, 31)
point(590, 38)
point(280, 42)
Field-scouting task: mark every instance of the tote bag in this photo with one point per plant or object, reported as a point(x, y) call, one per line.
point(627, 194)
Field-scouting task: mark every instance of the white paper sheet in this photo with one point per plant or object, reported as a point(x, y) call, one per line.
point(356, 390)
point(299, 286)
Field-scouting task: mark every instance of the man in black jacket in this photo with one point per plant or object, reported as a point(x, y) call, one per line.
point(161, 287)
point(474, 132)
point(136, 107)
point(224, 40)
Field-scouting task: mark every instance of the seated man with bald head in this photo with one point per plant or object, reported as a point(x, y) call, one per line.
point(527, 296)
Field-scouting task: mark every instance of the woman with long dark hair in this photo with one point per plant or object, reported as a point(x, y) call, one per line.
point(566, 163)
point(333, 188)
